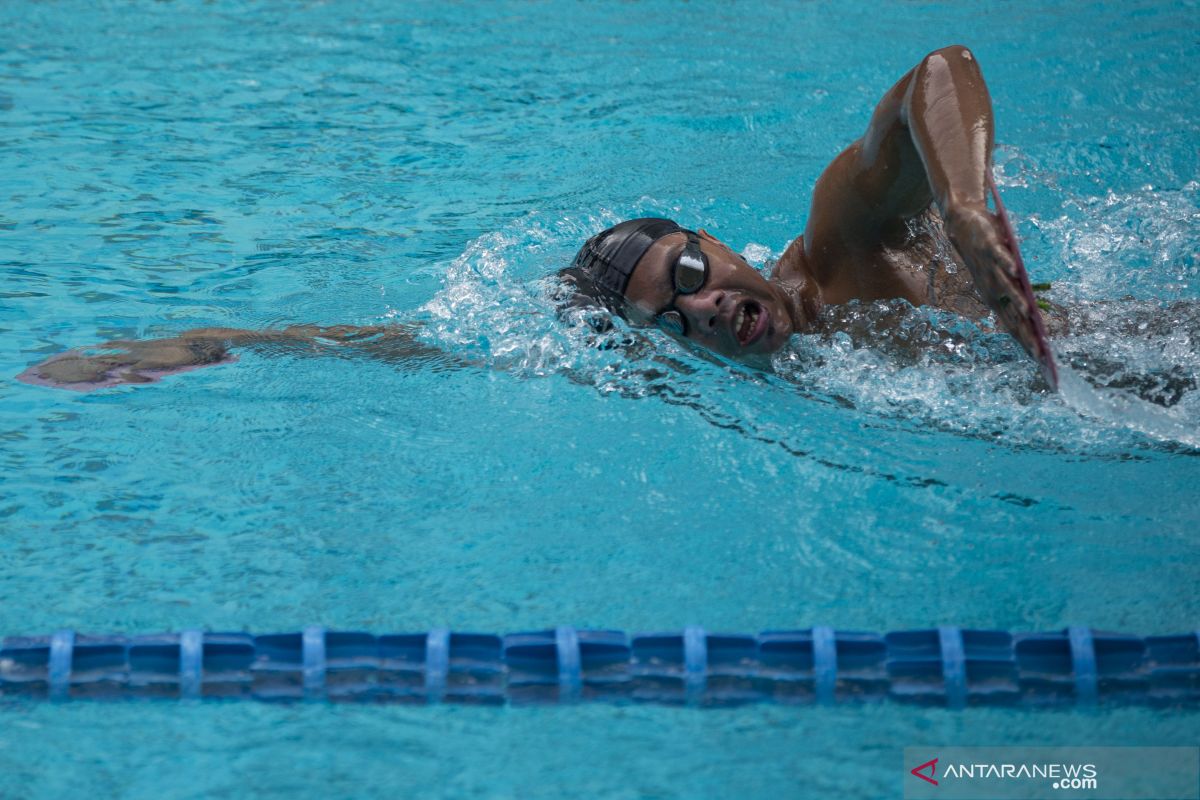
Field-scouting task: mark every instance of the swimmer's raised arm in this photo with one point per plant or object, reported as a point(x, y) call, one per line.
point(131, 361)
point(929, 141)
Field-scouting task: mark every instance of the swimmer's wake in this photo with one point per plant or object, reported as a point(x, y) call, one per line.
point(1124, 409)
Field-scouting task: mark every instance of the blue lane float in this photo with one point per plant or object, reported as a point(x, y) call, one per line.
point(946, 666)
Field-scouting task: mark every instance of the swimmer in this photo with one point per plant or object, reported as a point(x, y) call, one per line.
point(917, 180)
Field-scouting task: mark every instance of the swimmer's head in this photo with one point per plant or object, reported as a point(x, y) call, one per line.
point(653, 272)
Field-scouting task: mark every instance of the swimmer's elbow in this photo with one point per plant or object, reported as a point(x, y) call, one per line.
point(944, 74)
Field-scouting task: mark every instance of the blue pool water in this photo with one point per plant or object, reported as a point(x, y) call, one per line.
point(181, 165)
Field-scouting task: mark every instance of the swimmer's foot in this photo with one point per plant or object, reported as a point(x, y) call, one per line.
point(123, 362)
point(989, 249)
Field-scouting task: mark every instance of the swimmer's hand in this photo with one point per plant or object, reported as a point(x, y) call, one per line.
point(981, 240)
point(124, 361)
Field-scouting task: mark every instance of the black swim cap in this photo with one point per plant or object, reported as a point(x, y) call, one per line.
point(607, 259)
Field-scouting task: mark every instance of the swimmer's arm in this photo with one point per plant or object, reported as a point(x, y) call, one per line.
point(929, 141)
point(133, 361)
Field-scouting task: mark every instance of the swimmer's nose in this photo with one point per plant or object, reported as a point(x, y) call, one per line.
point(703, 309)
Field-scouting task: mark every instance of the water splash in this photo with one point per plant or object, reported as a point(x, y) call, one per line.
point(1124, 410)
point(1132, 364)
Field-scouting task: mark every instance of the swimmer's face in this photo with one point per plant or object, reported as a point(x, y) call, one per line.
point(735, 313)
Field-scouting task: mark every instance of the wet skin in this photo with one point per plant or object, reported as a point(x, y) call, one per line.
point(927, 150)
point(733, 292)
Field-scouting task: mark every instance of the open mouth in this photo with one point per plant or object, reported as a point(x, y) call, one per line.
point(750, 323)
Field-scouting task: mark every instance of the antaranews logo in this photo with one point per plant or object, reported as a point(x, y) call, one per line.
point(930, 765)
point(1034, 773)
point(1057, 775)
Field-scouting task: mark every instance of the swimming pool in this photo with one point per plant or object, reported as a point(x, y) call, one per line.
point(182, 165)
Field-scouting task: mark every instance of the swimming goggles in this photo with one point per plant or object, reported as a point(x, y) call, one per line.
point(690, 274)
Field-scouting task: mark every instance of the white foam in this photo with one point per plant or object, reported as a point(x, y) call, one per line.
point(1125, 410)
point(919, 367)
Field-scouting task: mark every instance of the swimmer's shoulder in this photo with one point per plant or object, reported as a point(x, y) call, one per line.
point(791, 266)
